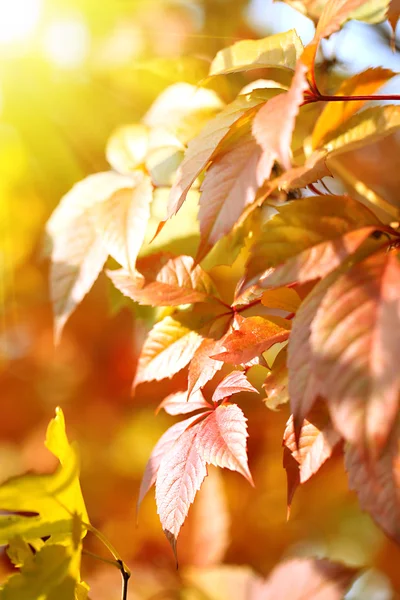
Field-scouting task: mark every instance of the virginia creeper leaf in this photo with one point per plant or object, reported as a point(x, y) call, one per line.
point(274, 123)
point(179, 403)
point(122, 222)
point(168, 348)
point(162, 447)
point(56, 497)
point(355, 345)
point(127, 147)
point(253, 337)
point(337, 113)
point(230, 184)
point(307, 239)
point(280, 50)
point(202, 368)
point(171, 283)
point(180, 475)
point(377, 486)
point(275, 385)
point(286, 299)
point(221, 439)
point(234, 383)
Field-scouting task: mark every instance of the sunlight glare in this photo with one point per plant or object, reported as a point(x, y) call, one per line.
point(18, 19)
point(66, 42)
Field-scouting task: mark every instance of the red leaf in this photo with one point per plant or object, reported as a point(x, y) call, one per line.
point(168, 348)
point(203, 147)
point(202, 368)
point(179, 403)
point(355, 342)
point(166, 283)
point(378, 485)
point(314, 447)
point(234, 383)
point(230, 184)
point(180, 475)
point(253, 337)
point(221, 440)
point(274, 123)
point(303, 385)
point(305, 579)
point(292, 469)
point(163, 445)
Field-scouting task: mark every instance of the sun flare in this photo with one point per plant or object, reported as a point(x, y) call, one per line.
point(18, 19)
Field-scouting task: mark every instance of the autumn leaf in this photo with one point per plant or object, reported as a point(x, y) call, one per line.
point(307, 239)
point(377, 486)
point(253, 337)
point(234, 383)
point(180, 475)
point(355, 347)
point(122, 222)
point(221, 439)
point(78, 252)
point(274, 124)
point(179, 403)
point(280, 50)
point(202, 367)
point(336, 114)
point(168, 348)
point(166, 281)
point(275, 385)
point(127, 147)
point(230, 184)
point(203, 147)
point(164, 444)
point(286, 299)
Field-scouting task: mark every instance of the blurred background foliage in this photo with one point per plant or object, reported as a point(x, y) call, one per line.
point(71, 71)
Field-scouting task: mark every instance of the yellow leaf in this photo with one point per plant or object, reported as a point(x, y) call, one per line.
point(280, 50)
point(282, 298)
point(127, 147)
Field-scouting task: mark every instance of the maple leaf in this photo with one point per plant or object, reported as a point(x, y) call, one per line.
point(166, 281)
point(230, 184)
point(221, 439)
point(355, 351)
point(180, 475)
point(202, 367)
point(378, 485)
point(164, 444)
point(307, 239)
point(168, 348)
point(234, 383)
point(253, 337)
point(274, 123)
point(280, 50)
point(179, 403)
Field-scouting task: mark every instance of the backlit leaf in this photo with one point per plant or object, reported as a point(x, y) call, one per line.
point(168, 348)
point(180, 475)
point(234, 383)
point(162, 447)
point(170, 283)
point(280, 50)
point(230, 184)
point(253, 337)
point(202, 148)
point(179, 403)
point(202, 368)
point(55, 498)
point(276, 382)
point(336, 113)
point(377, 487)
point(127, 147)
point(307, 239)
point(122, 222)
point(274, 123)
point(356, 344)
point(221, 439)
point(286, 299)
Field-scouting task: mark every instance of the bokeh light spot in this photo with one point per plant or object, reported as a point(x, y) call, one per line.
point(66, 42)
point(18, 19)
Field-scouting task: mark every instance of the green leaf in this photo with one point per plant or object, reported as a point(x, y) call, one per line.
point(55, 498)
point(280, 50)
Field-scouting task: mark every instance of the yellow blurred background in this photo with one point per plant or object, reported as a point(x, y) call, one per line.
point(71, 71)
